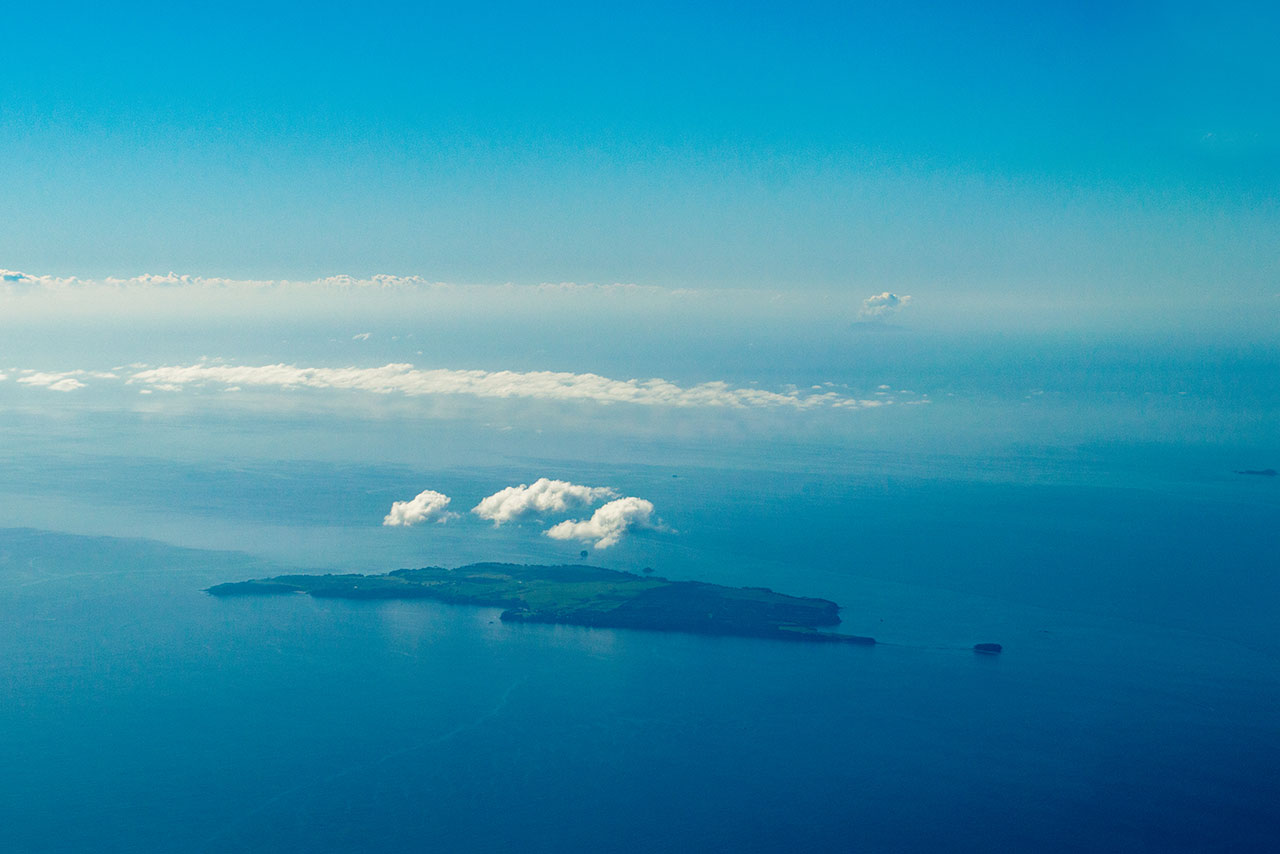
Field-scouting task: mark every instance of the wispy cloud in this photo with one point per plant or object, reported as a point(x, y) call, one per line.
point(883, 305)
point(542, 496)
point(379, 281)
point(426, 506)
point(608, 524)
point(543, 385)
point(60, 380)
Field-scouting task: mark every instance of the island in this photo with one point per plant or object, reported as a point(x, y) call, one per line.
point(581, 595)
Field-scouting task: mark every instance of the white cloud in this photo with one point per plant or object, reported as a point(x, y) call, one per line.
point(426, 506)
point(542, 496)
point(361, 336)
point(883, 305)
point(379, 281)
point(542, 385)
point(607, 525)
point(64, 381)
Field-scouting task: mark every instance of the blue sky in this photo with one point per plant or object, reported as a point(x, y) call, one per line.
point(1040, 150)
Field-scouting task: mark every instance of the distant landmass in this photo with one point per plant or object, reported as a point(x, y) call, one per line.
point(581, 596)
point(1262, 472)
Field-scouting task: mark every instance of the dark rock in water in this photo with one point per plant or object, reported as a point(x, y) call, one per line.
point(988, 648)
point(1260, 472)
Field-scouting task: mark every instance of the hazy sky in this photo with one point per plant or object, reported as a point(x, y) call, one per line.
point(1110, 150)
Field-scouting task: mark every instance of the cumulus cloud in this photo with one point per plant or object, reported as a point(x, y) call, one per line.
point(426, 506)
point(883, 305)
point(542, 496)
point(361, 336)
point(607, 525)
point(543, 385)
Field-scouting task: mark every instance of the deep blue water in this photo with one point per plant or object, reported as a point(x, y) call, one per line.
point(1135, 708)
point(1072, 499)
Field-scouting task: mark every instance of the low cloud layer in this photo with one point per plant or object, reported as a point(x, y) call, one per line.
point(883, 305)
point(59, 380)
point(405, 379)
point(426, 506)
point(341, 283)
point(542, 385)
point(607, 525)
point(542, 496)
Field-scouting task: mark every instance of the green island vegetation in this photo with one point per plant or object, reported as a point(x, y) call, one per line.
point(581, 596)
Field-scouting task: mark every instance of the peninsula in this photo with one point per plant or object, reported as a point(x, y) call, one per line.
point(581, 596)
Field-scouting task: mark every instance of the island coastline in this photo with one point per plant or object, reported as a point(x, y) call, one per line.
point(581, 595)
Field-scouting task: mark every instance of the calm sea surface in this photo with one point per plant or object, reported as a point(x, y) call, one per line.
point(1136, 708)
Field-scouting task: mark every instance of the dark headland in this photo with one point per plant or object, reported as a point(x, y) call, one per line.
point(581, 596)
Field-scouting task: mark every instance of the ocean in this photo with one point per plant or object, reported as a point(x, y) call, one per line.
point(1075, 499)
point(1133, 709)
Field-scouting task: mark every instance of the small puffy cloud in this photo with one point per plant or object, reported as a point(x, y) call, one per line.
point(361, 336)
point(607, 525)
point(426, 506)
point(542, 496)
point(883, 305)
